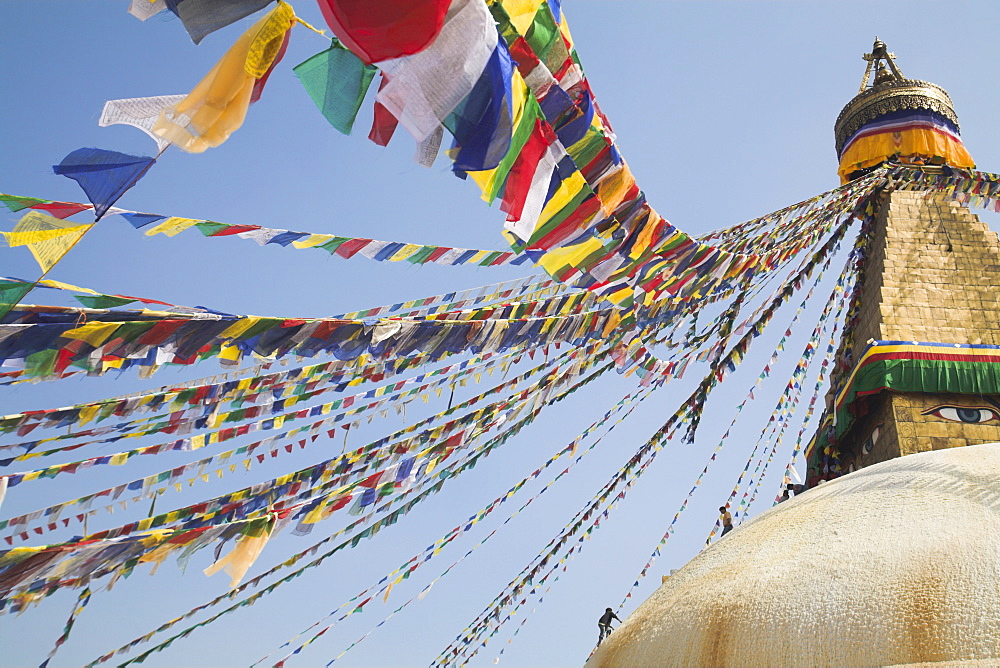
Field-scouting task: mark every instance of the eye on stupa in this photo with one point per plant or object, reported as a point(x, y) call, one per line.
point(893, 118)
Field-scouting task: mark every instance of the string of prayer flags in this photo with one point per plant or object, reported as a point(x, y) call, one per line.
point(837, 298)
point(483, 415)
point(91, 298)
point(81, 603)
point(344, 247)
point(968, 187)
point(206, 395)
point(410, 566)
point(463, 299)
point(337, 410)
point(131, 339)
point(587, 520)
point(526, 128)
point(103, 175)
point(79, 560)
point(337, 81)
point(428, 487)
point(789, 399)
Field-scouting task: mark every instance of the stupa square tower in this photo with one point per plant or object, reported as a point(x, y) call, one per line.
point(931, 276)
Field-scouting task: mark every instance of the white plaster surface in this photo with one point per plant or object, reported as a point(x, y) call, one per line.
point(897, 563)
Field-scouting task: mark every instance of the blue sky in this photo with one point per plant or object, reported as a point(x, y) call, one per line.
point(724, 111)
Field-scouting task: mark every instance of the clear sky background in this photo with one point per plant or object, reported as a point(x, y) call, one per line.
point(724, 111)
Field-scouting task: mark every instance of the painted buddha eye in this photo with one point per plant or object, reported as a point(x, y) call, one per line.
point(964, 414)
point(872, 439)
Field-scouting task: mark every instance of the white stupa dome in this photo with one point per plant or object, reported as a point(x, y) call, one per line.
point(897, 563)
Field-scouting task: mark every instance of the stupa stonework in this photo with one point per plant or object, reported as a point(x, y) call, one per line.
point(895, 559)
point(931, 276)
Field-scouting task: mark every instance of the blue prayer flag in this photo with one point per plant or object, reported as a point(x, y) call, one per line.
point(103, 175)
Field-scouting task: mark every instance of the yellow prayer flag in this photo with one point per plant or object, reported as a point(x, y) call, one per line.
point(613, 187)
point(478, 257)
point(566, 191)
point(312, 240)
point(87, 414)
point(571, 256)
point(172, 226)
point(24, 238)
point(521, 13)
point(94, 333)
point(405, 252)
point(47, 237)
point(238, 328)
point(241, 558)
point(114, 363)
point(66, 286)
point(314, 515)
point(229, 353)
point(119, 459)
point(267, 41)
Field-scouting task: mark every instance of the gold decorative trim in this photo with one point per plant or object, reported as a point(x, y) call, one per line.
point(889, 97)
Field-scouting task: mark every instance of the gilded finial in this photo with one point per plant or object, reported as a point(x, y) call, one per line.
point(880, 58)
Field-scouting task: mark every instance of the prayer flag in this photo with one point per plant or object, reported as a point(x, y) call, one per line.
point(103, 175)
point(47, 238)
point(202, 17)
point(337, 81)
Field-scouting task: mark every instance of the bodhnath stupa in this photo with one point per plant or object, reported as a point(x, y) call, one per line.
point(893, 554)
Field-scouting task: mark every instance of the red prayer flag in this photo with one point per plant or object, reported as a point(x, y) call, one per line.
point(383, 122)
point(377, 31)
point(523, 171)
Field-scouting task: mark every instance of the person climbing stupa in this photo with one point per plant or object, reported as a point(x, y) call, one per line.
point(604, 624)
point(727, 520)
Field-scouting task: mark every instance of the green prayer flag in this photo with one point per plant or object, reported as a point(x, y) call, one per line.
point(42, 363)
point(12, 292)
point(208, 228)
point(18, 203)
point(337, 82)
point(102, 301)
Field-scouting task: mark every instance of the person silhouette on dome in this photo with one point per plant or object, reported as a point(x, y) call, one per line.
point(604, 625)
